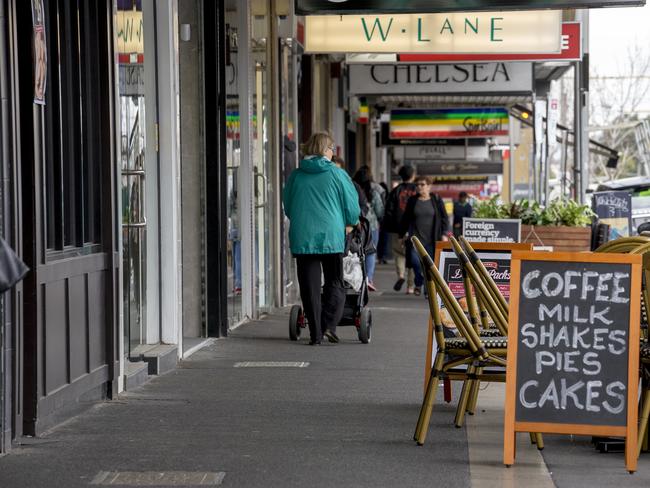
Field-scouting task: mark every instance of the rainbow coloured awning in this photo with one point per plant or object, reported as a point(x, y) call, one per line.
point(446, 123)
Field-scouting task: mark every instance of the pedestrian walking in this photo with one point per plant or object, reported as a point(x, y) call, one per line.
point(425, 217)
point(462, 209)
point(363, 201)
point(395, 207)
point(374, 213)
point(383, 246)
point(320, 202)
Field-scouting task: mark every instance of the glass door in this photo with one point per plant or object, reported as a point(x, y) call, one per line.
point(233, 174)
point(261, 189)
point(289, 155)
point(137, 157)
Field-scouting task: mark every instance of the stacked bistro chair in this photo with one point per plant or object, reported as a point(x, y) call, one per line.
point(491, 303)
point(483, 300)
point(639, 245)
point(465, 358)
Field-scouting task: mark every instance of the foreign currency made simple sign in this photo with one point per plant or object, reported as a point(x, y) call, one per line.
point(310, 7)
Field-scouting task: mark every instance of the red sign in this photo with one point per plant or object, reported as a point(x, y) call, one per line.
point(451, 190)
point(571, 51)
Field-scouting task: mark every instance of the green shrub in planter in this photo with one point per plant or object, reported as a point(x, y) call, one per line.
point(561, 211)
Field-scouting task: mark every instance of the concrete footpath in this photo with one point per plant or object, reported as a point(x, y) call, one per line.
point(256, 410)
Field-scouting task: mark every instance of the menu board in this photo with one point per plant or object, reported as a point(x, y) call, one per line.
point(615, 209)
point(573, 344)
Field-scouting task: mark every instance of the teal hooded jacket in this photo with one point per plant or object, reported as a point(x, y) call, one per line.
point(319, 200)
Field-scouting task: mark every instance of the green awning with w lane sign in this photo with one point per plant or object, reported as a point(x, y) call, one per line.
point(311, 7)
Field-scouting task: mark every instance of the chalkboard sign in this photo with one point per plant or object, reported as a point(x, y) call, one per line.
point(573, 346)
point(492, 230)
point(496, 259)
point(615, 209)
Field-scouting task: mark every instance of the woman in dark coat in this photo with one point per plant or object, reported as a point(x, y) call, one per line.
point(425, 217)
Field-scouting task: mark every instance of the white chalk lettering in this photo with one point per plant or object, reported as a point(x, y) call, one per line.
point(529, 338)
point(617, 289)
point(571, 392)
point(617, 336)
point(593, 394)
point(602, 287)
point(543, 358)
point(591, 363)
point(611, 391)
point(546, 281)
point(525, 285)
point(522, 394)
point(550, 394)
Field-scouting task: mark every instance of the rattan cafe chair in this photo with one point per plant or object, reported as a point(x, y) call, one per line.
point(456, 358)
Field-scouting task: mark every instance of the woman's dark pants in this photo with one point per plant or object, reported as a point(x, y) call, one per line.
point(325, 315)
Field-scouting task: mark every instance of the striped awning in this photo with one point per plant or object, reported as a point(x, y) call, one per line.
point(450, 122)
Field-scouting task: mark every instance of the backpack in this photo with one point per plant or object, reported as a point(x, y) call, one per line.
point(395, 206)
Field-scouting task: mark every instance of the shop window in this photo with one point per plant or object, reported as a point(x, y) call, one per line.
point(75, 130)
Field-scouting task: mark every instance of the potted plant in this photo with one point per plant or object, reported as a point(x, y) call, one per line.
point(563, 224)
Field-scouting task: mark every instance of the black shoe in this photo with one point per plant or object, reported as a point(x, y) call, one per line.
point(314, 343)
point(398, 284)
point(331, 336)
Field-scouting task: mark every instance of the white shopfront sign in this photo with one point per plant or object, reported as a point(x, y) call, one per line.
point(444, 152)
point(411, 79)
point(537, 31)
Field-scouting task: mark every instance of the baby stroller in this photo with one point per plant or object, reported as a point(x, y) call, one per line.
point(358, 244)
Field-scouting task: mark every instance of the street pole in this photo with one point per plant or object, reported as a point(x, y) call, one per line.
point(581, 114)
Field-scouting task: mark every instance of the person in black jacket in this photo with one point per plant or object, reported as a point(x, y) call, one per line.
point(426, 218)
point(462, 209)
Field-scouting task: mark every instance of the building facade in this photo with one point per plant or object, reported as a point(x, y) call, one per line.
point(144, 146)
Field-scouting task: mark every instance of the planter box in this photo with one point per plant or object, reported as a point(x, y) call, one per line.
point(567, 239)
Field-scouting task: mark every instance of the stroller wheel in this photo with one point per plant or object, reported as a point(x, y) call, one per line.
point(295, 317)
point(365, 326)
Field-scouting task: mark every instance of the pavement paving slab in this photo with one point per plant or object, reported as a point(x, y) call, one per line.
point(345, 418)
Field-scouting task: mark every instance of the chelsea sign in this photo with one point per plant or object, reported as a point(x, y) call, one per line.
point(310, 7)
point(538, 31)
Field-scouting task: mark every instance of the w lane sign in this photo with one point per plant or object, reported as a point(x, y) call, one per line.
point(310, 7)
point(573, 344)
point(538, 31)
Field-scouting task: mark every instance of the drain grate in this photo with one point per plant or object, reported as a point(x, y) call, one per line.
point(158, 478)
point(271, 364)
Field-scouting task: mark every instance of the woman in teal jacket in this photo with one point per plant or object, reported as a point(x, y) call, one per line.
point(320, 201)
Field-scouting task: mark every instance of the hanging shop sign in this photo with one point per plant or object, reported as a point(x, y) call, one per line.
point(130, 31)
point(386, 140)
point(448, 151)
point(310, 7)
point(571, 50)
point(492, 230)
point(479, 32)
point(39, 54)
point(431, 79)
point(132, 80)
point(573, 347)
point(615, 209)
point(463, 168)
point(452, 122)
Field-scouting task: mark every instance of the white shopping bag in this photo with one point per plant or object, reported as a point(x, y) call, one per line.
point(352, 272)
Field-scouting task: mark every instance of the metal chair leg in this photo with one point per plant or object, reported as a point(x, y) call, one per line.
point(539, 440)
point(473, 397)
point(424, 418)
point(464, 398)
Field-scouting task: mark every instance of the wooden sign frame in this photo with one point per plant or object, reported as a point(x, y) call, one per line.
point(511, 425)
point(478, 247)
